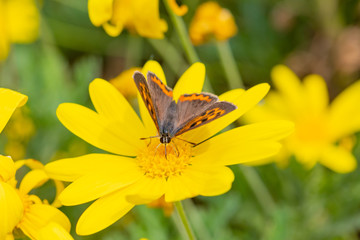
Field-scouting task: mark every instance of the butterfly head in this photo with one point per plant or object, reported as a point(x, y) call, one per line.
point(165, 138)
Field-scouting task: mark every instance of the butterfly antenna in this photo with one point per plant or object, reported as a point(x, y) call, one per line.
point(165, 152)
point(194, 144)
point(149, 138)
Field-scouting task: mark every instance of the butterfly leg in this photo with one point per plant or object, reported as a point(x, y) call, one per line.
point(165, 152)
point(175, 148)
point(157, 149)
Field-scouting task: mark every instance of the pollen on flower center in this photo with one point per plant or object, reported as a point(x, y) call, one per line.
point(154, 164)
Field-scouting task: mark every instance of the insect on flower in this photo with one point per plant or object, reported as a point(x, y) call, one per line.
point(175, 118)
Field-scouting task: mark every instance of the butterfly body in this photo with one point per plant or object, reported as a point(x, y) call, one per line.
point(175, 118)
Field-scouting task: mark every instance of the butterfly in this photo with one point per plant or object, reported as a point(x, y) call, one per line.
point(175, 118)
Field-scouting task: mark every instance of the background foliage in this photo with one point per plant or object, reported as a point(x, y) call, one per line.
point(310, 36)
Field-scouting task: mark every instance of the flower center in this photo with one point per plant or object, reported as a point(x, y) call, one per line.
point(311, 130)
point(155, 164)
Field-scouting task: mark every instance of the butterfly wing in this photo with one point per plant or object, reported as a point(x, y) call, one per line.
point(144, 91)
point(162, 97)
point(155, 94)
point(206, 113)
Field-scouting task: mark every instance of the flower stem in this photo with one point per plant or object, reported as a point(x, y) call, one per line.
point(189, 49)
point(229, 64)
point(185, 222)
point(258, 187)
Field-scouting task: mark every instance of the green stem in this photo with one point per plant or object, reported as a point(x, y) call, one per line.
point(258, 187)
point(182, 32)
point(190, 52)
point(170, 54)
point(229, 64)
point(185, 222)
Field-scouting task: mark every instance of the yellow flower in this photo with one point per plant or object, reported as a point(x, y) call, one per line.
point(18, 132)
point(125, 83)
point(19, 23)
point(139, 16)
point(9, 101)
point(54, 230)
point(167, 207)
point(21, 210)
point(178, 10)
point(18, 208)
point(137, 171)
point(319, 126)
point(211, 20)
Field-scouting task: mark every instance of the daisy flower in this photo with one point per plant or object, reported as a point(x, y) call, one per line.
point(18, 208)
point(137, 171)
point(210, 20)
point(138, 16)
point(20, 20)
point(322, 129)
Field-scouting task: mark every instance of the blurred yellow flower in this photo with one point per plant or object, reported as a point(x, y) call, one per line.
point(137, 171)
point(322, 130)
point(18, 132)
point(178, 10)
point(211, 20)
point(19, 23)
point(167, 207)
point(139, 16)
point(20, 210)
point(125, 83)
point(9, 101)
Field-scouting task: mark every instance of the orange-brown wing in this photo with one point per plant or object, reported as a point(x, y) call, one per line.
point(161, 95)
point(143, 88)
point(213, 112)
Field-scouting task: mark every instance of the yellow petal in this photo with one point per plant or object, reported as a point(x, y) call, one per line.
point(31, 163)
point(146, 190)
point(7, 168)
point(100, 11)
point(234, 151)
point(219, 183)
point(154, 67)
point(4, 39)
point(70, 169)
point(191, 81)
point(22, 21)
point(9, 101)
point(146, 20)
point(103, 212)
point(11, 209)
point(232, 95)
point(344, 109)
point(289, 86)
point(59, 188)
point(177, 190)
point(243, 100)
point(338, 159)
point(317, 98)
point(265, 131)
point(33, 179)
point(109, 103)
point(273, 108)
point(53, 231)
point(98, 184)
point(38, 216)
point(178, 10)
point(97, 130)
point(199, 180)
point(113, 30)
